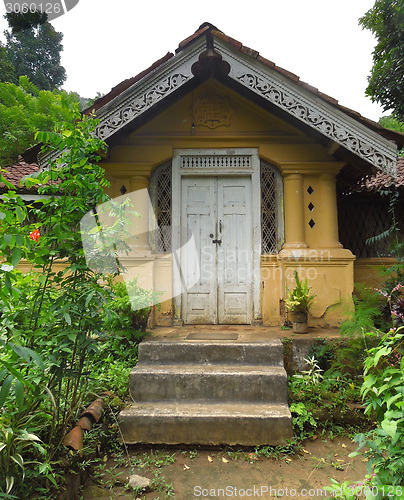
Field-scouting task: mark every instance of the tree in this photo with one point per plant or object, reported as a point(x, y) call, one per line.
point(25, 110)
point(33, 47)
point(386, 81)
point(7, 73)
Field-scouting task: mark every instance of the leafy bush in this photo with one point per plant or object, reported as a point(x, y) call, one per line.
point(52, 333)
point(383, 390)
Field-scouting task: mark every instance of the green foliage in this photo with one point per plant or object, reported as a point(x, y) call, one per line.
point(51, 329)
point(24, 110)
point(33, 47)
point(367, 310)
point(313, 375)
point(302, 419)
point(383, 391)
point(130, 310)
point(385, 20)
point(299, 299)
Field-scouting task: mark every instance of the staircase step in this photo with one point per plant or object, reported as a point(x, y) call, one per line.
point(209, 383)
point(206, 424)
point(251, 353)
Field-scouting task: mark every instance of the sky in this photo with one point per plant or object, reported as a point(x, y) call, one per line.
point(107, 41)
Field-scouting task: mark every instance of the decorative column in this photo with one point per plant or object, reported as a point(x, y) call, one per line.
point(294, 211)
point(140, 204)
point(328, 212)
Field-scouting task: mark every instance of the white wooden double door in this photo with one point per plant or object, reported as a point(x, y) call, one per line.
point(218, 211)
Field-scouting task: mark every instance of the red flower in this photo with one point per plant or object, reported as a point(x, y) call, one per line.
point(34, 235)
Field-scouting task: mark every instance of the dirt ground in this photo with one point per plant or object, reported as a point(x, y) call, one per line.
point(230, 473)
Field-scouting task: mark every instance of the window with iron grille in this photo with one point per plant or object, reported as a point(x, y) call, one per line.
point(271, 209)
point(161, 197)
point(364, 215)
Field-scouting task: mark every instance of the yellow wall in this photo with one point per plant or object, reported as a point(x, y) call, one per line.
point(314, 251)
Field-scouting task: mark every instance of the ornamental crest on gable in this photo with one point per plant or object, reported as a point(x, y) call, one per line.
point(212, 112)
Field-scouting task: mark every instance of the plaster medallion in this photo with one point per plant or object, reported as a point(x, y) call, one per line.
point(212, 112)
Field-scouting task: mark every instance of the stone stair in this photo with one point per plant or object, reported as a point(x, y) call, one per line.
point(208, 393)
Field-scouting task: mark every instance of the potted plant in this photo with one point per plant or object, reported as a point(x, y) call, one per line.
point(298, 303)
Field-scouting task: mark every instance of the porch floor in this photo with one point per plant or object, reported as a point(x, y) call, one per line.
point(245, 333)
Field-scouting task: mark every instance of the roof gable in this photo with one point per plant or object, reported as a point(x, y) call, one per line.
point(210, 53)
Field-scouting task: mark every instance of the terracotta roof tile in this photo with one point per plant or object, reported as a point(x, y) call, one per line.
point(121, 87)
point(287, 73)
point(227, 39)
point(250, 52)
point(307, 86)
point(267, 62)
point(197, 33)
point(328, 98)
point(382, 180)
point(15, 173)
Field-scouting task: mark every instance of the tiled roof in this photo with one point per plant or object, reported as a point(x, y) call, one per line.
point(15, 173)
point(121, 87)
point(205, 30)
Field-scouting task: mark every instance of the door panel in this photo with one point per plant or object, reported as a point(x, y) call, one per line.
point(199, 215)
point(235, 254)
point(218, 208)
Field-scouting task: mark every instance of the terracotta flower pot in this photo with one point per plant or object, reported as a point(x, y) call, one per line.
point(300, 322)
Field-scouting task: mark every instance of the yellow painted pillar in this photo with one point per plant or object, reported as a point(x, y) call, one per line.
point(328, 212)
point(112, 189)
point(141, 205)
point(294, 211)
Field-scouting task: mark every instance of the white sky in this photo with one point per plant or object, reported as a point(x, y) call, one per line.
point(106, 42)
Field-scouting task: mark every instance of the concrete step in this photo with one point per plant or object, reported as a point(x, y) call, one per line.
point(251, 353)
point(221, 383)
point(206, 424)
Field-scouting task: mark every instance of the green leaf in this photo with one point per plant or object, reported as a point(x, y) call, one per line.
point(90, 296)
point(7, 239)
point(7, 282)
point(16, 257)
point(67, 318)
point(390, 426)
point(20, 215)
point(391, 400)
point(5, 389)
point(19, 394)
point(9, 483)
point(384, 351)
point(18, 460)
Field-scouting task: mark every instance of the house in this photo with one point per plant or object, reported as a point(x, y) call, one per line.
point(241, 174)
point(254, 165)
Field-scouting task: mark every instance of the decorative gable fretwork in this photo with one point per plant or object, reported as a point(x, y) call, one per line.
point(258, 78)
point(319, 115)
point(144, 94)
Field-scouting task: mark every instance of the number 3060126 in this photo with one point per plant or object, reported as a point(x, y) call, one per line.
point(24, 8)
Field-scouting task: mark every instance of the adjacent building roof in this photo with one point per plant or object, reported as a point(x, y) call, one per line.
point(381, 180)
point(14, 174)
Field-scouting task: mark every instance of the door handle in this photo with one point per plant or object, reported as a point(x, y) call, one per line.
point(217, 241)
